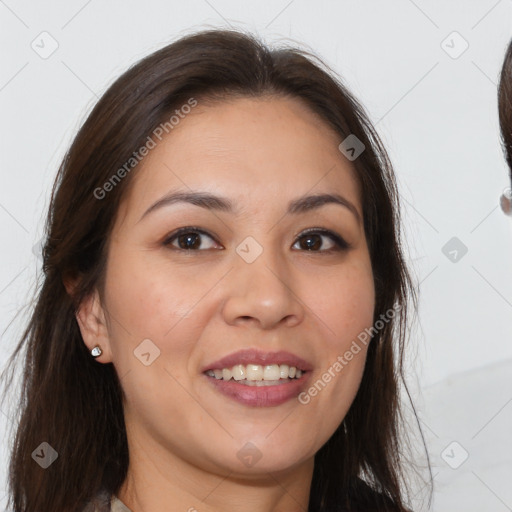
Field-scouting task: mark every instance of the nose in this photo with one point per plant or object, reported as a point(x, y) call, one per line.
point(262, 293)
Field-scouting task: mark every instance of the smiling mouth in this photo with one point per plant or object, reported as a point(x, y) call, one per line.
point(257, 375)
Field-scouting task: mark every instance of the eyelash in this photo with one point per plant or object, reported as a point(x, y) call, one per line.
point(340, 243)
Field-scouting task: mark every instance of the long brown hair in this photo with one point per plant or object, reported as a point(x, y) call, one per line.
point(505, 106)
point(75, 404)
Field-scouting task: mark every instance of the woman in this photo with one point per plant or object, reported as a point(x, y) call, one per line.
point(505, 114)
point(223, 314)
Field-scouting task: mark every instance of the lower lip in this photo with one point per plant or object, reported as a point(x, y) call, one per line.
point(260, 396)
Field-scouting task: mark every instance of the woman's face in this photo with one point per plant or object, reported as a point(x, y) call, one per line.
point(239, 279)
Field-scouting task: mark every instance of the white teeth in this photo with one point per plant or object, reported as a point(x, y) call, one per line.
point(254, 373)
point(271, 372)
point(238, 372)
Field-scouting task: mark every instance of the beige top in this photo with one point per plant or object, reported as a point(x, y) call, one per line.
point(103, 502)
point(116, 505)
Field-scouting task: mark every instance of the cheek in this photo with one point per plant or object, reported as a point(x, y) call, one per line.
point(345, 302)
point(344, 308)
point(148, 294)
point(148, 302)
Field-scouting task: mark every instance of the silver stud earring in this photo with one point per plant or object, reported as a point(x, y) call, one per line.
point(506, 201)
point(96, 351)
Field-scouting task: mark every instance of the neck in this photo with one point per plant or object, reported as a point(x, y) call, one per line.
point(157, 479)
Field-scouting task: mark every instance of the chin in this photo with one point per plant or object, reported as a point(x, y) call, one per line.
point(261, 456)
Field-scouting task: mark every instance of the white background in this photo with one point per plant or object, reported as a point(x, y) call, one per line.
point(438, 119)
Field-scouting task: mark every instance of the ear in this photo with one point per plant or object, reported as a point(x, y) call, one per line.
point(91, 319)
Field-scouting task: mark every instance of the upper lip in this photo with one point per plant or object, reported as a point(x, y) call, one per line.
point(261, 357)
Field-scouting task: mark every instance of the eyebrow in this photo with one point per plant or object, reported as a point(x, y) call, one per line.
point(210, 201)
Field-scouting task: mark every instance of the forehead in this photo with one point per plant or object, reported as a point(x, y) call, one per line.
point(252, 148)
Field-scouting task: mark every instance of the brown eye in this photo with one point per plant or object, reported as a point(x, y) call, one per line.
point(191, 239)
point(312, 241)
point(188, 239)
